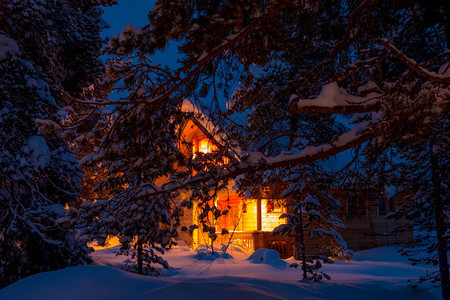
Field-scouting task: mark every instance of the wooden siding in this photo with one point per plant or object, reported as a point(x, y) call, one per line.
point(367, 232)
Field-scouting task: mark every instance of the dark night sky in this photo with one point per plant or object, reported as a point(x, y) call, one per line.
point(135, 12)
point(127, 11)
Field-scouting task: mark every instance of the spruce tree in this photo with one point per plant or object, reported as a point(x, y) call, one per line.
point(423, 177)
point(312, 213)
point(138, 149)
point(47, 49)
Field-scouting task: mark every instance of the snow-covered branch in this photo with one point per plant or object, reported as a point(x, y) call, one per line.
point(424, 72)
point(333, 99)
point(361, 133)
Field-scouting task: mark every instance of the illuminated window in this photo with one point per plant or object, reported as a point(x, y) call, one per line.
point(206, 146)
point(244, 208)
point(203, 146)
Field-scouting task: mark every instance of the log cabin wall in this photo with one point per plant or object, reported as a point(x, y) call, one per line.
point(367, 232)
point(364, 231)
point(372, 229)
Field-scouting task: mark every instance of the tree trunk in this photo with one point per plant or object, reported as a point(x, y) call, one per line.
point(299, 243)
point(140, 256)
point(440, 228)
point(212, 247)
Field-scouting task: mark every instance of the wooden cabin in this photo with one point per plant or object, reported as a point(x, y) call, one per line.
point(251, 221)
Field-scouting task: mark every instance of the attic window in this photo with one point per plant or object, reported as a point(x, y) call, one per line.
point(203, 146)
point(206, 146)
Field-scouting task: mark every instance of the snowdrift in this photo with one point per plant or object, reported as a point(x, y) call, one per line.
point(374, 274)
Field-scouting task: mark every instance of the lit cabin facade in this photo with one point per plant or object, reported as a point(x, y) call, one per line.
point(251, 221)
point(247, 219)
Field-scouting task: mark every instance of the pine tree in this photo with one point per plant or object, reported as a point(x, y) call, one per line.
point(139, 148)
point(423, 177)
point(312, 213)
point(47, 48)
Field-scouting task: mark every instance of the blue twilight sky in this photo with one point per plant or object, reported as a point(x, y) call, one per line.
point(135, 12)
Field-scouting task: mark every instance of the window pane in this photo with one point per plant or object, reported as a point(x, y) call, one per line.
point(381, 207)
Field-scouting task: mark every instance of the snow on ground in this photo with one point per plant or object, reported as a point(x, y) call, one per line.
point(196, 274)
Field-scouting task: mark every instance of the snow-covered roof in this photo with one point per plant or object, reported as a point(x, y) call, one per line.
point(204, 122)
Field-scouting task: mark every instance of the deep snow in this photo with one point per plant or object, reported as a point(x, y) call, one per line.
point(196, 274)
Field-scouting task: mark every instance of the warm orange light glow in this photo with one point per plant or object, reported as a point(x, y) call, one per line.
point(270, 215)
point(205, 146)
point(242, 216)
point(112, 242)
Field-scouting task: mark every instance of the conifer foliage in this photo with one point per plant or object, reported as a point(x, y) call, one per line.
point(46, 48)
point(133, 162)
point(138, 150)
point(423, 177)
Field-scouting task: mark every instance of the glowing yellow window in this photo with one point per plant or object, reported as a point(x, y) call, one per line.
point(206, 146)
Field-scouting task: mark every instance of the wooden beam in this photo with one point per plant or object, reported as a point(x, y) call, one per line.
point(258, 214)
